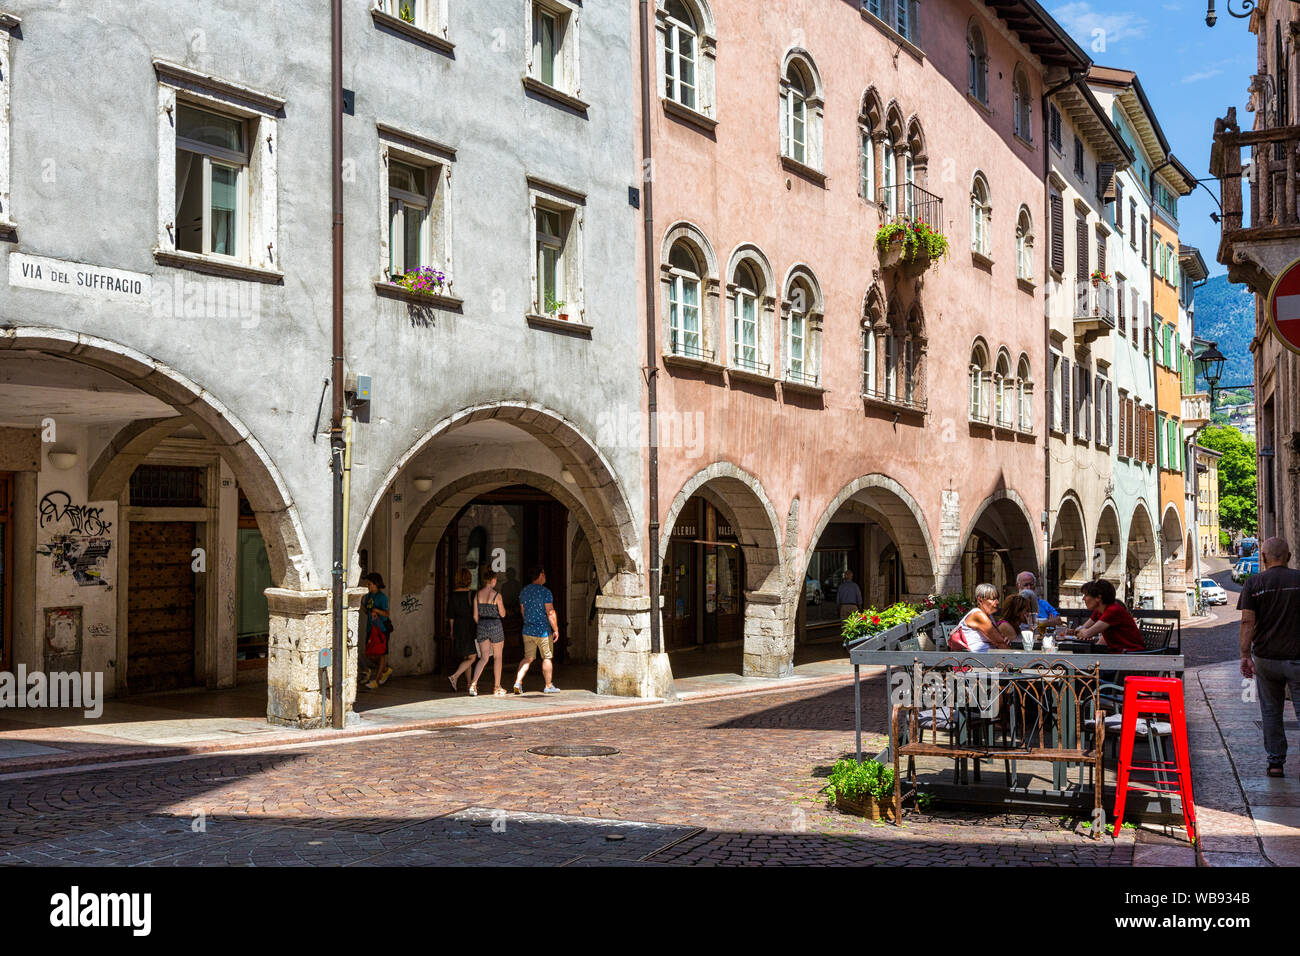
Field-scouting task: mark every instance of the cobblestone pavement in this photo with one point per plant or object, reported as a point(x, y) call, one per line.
point(1214, 641)
point(731, 781)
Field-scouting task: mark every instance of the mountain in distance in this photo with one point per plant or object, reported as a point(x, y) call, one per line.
point(1225, 314)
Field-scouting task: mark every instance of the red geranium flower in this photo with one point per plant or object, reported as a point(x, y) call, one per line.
point(876, 619)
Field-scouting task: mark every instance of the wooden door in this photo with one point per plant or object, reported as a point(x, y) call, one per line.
point(160, 606)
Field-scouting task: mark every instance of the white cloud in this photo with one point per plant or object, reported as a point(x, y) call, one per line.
point(1204, 75)
point(1083, 23)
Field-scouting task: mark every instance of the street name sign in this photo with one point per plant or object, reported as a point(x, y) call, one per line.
point(78, 278)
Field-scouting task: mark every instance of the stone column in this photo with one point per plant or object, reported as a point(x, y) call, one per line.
point(301, 627)
point(769, 635)
point(950, 544)
point(625, 666)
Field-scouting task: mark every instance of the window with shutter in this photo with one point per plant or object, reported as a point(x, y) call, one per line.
point(1151, 428)
point(1110, 414)
point(1081, 248)
point(1101, 252)
point(1123, 424)
point(1085, 380)
point(1119, 205)
point(1119, 305)
point(1106, 181)
point(1053, 383)
point(1055, 122)
point(1144, 439)
point(1099, 404)
point(1065, 396)
point(1058, 234)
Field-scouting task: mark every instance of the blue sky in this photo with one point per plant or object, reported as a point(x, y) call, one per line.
point(1191, 75)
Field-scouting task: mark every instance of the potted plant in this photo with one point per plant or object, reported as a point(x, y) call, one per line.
point(406, 12)
point(425, 281)
point(913, 245)
point(952, 607)
point(555, 308)
point(1098, 277)
point(865, 789)
point(874, 621)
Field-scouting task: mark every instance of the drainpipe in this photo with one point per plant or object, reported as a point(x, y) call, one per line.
point(337, 450)
point(651, 333)
point(1049, 393)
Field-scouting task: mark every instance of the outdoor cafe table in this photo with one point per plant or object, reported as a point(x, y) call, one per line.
point(884, 651)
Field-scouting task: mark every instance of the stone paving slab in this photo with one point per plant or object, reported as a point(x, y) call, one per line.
point(746, 771)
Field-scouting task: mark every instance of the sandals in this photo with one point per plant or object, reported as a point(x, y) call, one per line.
point(1276, 770)
point(473, 690)
point(452, 682)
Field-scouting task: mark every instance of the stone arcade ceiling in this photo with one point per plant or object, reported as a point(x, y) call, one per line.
point(35, 386)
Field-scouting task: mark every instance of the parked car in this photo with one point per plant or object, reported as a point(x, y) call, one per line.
point(1245, 568)
point(1212, 592)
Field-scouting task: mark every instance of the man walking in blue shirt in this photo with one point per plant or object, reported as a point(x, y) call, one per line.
point(541, 629)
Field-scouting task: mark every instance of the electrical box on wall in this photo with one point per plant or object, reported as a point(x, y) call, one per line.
point(356, 389)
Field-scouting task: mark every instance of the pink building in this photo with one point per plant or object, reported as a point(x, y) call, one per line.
point(846, 411)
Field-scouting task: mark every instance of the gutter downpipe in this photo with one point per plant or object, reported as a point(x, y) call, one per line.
point(337, 441)
point(1049, 392)
point(652, 363)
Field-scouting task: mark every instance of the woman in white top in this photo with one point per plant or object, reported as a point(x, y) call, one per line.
point(977, 631)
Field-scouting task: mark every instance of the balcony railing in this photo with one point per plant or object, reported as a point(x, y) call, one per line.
point(1094, 307)
point(909, 202)
point(1196, 409)
point(679, 347)
point(745, 364)
point(800, 378)
point(915, 402)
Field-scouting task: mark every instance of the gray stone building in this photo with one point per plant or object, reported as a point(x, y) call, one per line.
point(165, 331)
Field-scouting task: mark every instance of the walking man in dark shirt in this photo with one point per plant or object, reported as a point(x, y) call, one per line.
point(1270, 642)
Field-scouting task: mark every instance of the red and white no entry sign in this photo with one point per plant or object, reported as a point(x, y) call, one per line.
point(1284, 306)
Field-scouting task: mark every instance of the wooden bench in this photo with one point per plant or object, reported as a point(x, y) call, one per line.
point(938, 728)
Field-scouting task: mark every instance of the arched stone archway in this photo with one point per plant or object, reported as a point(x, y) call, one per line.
point(298, 604)
point(1000, 542)
point(594, 480)
point(1173, 553)
point(1142, 560)
point(1107, 546)
point(768, 626)
point(1069, 564)
point(491, 449)
point(884, 502)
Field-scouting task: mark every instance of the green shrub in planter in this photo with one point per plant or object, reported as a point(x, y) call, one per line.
point(865, 788)
point(874, 620)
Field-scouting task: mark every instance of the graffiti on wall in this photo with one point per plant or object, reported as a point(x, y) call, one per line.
point(81, 548)
point(82, 519)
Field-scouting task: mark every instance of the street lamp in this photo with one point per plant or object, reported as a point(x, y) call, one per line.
point(1247, 7)
point(1211, 364)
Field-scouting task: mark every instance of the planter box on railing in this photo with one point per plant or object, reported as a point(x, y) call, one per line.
point(888, 640)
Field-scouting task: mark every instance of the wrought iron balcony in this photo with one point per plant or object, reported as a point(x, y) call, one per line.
point(910, 203)
point(913, 402)
point(744, 363)
point(679, 347)
point(1094, 308)
point(1256, 243)
point(800, 378)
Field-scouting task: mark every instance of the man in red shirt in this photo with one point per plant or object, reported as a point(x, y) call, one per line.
point(1110, 622)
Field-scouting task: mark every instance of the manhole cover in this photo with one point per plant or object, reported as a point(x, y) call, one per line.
point(575, 750)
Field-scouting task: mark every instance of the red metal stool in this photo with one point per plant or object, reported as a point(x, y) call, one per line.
point(1139, 699)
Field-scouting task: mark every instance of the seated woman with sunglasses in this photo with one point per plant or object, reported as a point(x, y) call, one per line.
point(978, 630)
point(1110, 624)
